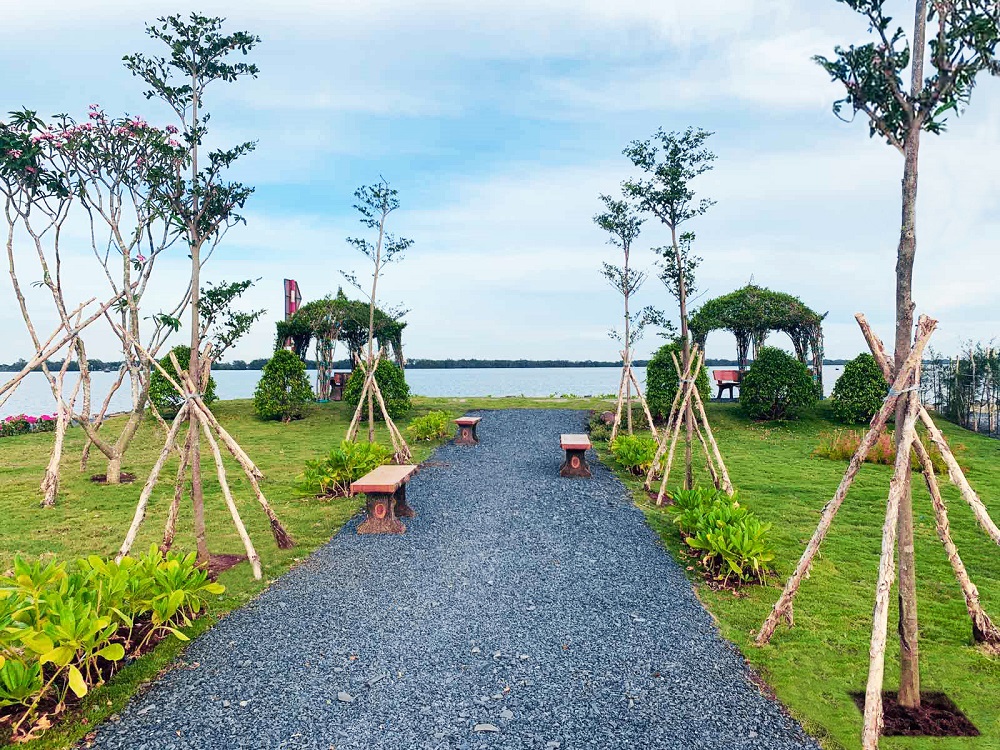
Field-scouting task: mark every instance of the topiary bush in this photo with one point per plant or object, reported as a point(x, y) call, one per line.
point(859, 392)
point(164, 396)
point(390, 381)
point(662, 380)
point(777, 386)
point(283, 391)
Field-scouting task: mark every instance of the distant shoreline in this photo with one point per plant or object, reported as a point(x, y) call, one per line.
point(414, 364)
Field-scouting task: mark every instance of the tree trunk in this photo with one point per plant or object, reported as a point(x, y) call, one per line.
point(909, 678)
point(686, 342)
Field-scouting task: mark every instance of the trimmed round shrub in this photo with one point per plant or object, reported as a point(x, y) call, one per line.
point(777, 386)
point(164, 396)
point(283, 391)
point(390, 381)
point(662, 380)
point(859, 392)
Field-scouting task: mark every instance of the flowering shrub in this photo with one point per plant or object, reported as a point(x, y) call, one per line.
point(21, 424)
point(841, 445)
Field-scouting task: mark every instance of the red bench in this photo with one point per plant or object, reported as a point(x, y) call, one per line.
point(385, 488)
point(576, 447)
point(726, 379)
point(467, 430)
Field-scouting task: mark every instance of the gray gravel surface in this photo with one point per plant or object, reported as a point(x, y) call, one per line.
point(520, 610)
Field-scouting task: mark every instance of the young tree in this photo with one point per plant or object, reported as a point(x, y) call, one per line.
point(623, 225)
point(200, 201)
point(677, 269)
point(962, 45)
point(375, 203)
point(670, 163)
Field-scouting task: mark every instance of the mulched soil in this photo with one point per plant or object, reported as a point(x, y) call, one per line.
point(127, 478)
point(220, 563)
point(937, 716)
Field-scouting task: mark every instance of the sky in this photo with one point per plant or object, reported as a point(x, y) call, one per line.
point(501, 122)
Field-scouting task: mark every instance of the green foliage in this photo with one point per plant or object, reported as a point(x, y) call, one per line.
point(432, 426)
point(597, 429)
point(283, 390)
point(731, 541)
point(332, 475)
point(634, 453)
point(164, 396)
point(841, 445)
point(662, 380)
point(74, 626)
point(777, 386)
point(859, 392)
point(390, 381)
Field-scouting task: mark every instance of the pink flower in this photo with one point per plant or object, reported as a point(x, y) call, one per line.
point(31, 420)
point(141, 258)
point(173, 143)
point(14, 153)
point(30, 170)
point(172, 129)
point(46, 417)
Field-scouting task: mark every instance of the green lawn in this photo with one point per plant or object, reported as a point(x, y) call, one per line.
point(815, 665)
point(812, 667)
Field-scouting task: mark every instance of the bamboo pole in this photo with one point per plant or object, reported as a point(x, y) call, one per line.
point(983, 629)
point(618, 407)
point(710, 464)
point(661, 447)
point(645, 404)
point(685, 402)
point(241, 529)
point(147, 489)
point(955, 472)
point(727, 485)
point(170, 529)
point(783, 607)
point(880, 617)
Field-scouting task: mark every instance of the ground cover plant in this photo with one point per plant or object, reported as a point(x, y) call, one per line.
point(431, 426)
point(64, 629)
point(331, 476)
point(840, 445)
point(729, 540)
point(634, 453)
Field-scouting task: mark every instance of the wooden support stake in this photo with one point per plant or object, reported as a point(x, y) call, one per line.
point(685, 402)
point(661, 448)
point(727, 485)
point(783, 607)
point(645, 404)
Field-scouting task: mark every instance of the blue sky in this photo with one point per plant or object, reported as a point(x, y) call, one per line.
point(500, 122)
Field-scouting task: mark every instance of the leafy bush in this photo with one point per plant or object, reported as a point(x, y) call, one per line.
point(390, 381)
point(432, 426)
point(164, 396)
point(777, 386)
point(634, 453)
point(64, 631)
point(21, 424)
point(730, 540)
point(283, 390)
point(662, 380)
point(859, 392)
point(332, 475)
point(841, 445)
point(597, 428)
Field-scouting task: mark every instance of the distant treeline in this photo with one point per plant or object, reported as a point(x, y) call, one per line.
point(97, 365)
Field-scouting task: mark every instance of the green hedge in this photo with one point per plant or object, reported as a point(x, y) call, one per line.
point(283, 391)
point(777, 386)
point(859, 392)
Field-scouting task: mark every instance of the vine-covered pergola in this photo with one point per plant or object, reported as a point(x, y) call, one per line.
point(754, 311)
point(338, 319)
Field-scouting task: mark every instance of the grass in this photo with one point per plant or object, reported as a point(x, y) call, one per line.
point(816, 664)
point(812, 667)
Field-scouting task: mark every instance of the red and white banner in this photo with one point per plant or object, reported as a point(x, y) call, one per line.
point(293, 298)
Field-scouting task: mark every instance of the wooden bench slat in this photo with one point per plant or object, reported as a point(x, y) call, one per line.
point(385, 479)
point(574, 442)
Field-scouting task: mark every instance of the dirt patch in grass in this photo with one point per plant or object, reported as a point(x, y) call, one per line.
point(937, 716)
point(220, 563)
point(126, 478)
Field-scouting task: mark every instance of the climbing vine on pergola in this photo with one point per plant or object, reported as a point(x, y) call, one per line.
point(751, 313)
point(331, 320)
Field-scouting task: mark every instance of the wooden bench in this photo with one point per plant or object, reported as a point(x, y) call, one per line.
point(726, 379)
point(576, 447)
point(386, 491)
point(467, 430)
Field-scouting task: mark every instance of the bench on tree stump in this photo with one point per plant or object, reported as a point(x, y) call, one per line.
point(385, 488)
point(576, 447)
point(467, 431)
point(726, 379)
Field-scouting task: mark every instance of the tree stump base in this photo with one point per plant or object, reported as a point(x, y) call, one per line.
point(467, 434)
point(575, 464)
point(382, 516)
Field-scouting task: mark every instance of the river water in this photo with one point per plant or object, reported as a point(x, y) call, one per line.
point(34, 398)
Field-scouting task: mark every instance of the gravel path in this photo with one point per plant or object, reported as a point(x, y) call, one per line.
point(539, 608)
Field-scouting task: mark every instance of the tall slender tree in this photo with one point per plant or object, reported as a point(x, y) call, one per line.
point(962, 45)
point(670, 161)
point(201, 202)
